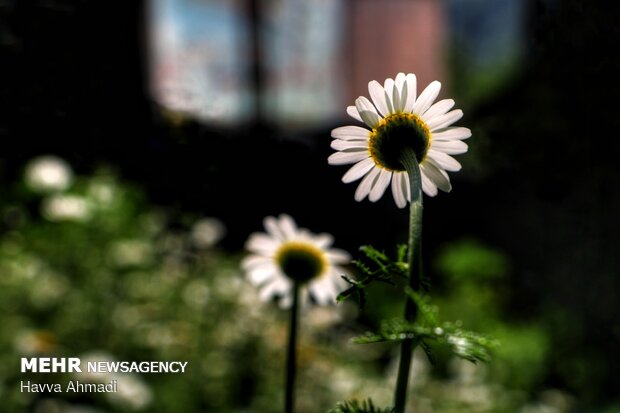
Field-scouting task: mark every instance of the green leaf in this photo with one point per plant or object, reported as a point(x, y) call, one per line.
point(379, 268)
point(428, 312)
point(353, 406)
point(464, 344)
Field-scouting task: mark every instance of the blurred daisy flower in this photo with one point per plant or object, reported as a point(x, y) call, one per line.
point(48, 173)
point(207, 232)
point(398, 118)
point(286, 254)
point(66, 208)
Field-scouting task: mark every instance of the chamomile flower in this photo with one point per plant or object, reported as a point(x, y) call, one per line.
point(397, 117)
point(286, 254)
point(48, 173)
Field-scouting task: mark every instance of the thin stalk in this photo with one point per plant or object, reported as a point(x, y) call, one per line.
point(414, 258)
point(291, 356)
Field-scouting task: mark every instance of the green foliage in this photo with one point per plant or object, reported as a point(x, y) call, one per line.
point(112, 276)
point(612, 409)
point(381, 268)
point(353, 406)
point(475, 273)
point(470, 260)
point(522, 345)
point(464, 344)
point(473, 295)
point(94, 271)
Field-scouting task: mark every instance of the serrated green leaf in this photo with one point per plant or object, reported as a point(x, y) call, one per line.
point(464, 344)
point(368, 338)
point(385, 271)
point(353, 406)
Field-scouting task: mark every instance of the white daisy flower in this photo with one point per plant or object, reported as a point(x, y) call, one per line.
point(48, 173)
point(397, 117)
point(285, 254)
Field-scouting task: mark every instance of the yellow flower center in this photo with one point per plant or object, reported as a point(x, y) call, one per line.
point(393, 134)
point(301, 261)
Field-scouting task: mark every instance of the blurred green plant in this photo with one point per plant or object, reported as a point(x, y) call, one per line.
point(464, 344)
point(89, 268)
point(474, 277)
point(353, 406)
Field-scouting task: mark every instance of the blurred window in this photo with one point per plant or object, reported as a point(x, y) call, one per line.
point(301, 62)
point(301, 59)
point(201, 58)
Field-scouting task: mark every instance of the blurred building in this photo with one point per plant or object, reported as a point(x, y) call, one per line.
point(313, 57)
point(388, 37)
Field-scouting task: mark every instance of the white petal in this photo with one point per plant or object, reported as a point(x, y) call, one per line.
point(399, 80)
point(411, 83)
point(352, 111)
point(428, 186)
point(452, 133)
point(262, 244)
point(322, 240)
point(343, 158)
point(364, 187)
point(279, 286)
point(341, 145)
point(403, 93)
point(427, 97)
point(380, 185)
point(305, 235)
point(333, 279)
point(437, 109)
point(400, 93)
point(254, 261)
point(443, 160)
point(262, 274)
point(442, 121)
point(358, 170)
point(438, 176)
point(350, 133)
point(337, 281)
point(406, 186)
point(323, 291)
point(288, 226)
point(271, 225)
point(397, 190)
point(453, 147)
point(377, 94)
point(392, 95)
point(367, 111)
point(334, 284)
point(338, 256)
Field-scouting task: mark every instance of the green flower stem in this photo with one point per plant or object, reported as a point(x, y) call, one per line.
point(410, 162)
point(291, 366)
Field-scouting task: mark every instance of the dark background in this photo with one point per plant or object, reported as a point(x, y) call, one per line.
point(543, 173)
